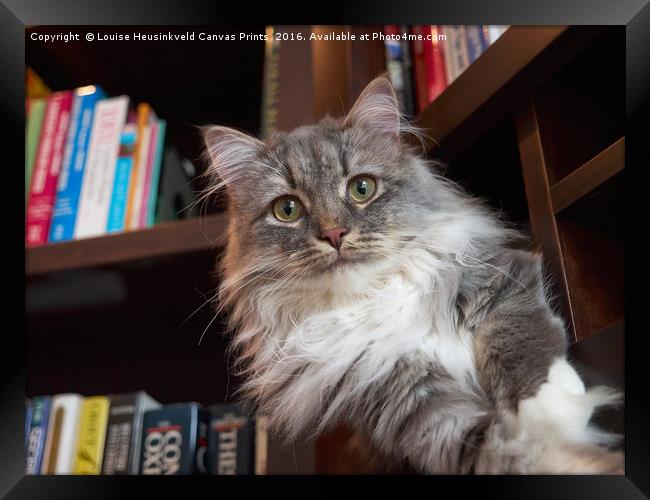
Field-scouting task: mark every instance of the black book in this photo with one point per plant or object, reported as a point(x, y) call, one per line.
point(124, 432)
point(171, 440)
point(230, 440)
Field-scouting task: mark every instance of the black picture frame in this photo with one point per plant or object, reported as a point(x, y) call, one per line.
point(15, 15)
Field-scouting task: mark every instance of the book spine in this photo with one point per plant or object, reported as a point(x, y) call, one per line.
point(473, 42)
point(46, 169)
point(97, 185)
point(117, 210)
point(419, 68)
point(457, 57)
point(231, 437)
point(143, 113)
point(394, 61)
point(72, 169)
point(271, 84)
point(261, 444)
point(169, 440)
point(92, 432)
point(146, 181)
point(155, 174)
point(34, 123)
point(37, 433)
point(407, 72)
point(61, 439)
point(138, 192)
point(119, 431)
point(438, 62)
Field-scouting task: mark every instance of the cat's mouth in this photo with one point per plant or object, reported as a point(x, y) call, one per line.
point(341, 261)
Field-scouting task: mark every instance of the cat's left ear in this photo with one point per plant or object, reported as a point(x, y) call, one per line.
point(377, 109)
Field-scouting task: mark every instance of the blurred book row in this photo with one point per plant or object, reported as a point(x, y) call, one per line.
point(96, 164)
point(131, 433)
point(423, 60)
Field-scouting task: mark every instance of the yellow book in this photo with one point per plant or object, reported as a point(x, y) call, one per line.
point(92, 434)
point(34, 85)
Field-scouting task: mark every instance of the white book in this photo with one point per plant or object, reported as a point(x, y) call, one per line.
point(494, 32)
point(103, 149)
point(143, 161)
point(62, 432)
point(456, 54)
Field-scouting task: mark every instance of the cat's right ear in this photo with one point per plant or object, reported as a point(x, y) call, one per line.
point(233, 155)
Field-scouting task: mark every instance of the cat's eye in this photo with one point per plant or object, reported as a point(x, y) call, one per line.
point(361, 188)
point(287, 208)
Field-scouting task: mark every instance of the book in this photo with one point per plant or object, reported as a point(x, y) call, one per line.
point(494, 32)
point(261, 444)
point(144, 113)
point(91, 435)
point(47, 164)
point(419, 67)
point(457, 58)
point(34, 85)
point(28, 417)
point(438, 69)
point(152, 157)
point(476, 43)
point(32, 134)
point(61, 438)
point(96, 187)
point(230, 440)
point(407, 72)
point(37, 432)
point(72, 167)
point(170, 439)
point(124, 432)
point(125, 158)
point(155, 175)
point(270, 84)
point(395, 61)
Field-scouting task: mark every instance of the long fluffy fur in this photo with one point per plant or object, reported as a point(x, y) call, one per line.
point(412, 349)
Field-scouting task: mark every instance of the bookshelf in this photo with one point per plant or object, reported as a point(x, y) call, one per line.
point(531, 126)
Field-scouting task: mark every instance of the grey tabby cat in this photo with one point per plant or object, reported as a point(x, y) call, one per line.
point(365, 289)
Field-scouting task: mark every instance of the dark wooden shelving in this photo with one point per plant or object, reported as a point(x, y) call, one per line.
point(168, 238)
point(589, 176)
point(510, 69)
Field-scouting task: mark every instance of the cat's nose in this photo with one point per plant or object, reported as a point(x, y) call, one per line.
point(334, 236)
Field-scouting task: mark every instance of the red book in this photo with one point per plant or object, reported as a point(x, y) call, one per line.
point(419, 67)
point(438, 70)
point(47, 165)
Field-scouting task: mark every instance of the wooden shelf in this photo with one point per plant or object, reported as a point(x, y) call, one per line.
point(168, 238)
point(519, 61)
point(589, 176)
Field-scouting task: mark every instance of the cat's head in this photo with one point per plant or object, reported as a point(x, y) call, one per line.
point(325, 198)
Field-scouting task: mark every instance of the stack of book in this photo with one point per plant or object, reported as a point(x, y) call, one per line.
point(92, 165)
point(131, 433)
point(423, 60)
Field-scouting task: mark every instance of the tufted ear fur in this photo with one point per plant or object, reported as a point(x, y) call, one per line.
point(233, 155)
point(377, 109)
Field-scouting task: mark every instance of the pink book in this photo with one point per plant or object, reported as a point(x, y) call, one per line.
point(47, 165)
point(142, 219)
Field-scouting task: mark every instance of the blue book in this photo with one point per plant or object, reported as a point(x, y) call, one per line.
point(119, 196)
point(37, 432)
point(174, 440)
point(28, 418)
point(72, 166)
point(475, 45)
point(155, 174)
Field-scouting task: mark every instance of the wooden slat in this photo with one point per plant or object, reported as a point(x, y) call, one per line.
point(164, 239)
point(589, 176)
point(540, 207)
point(508, 71)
